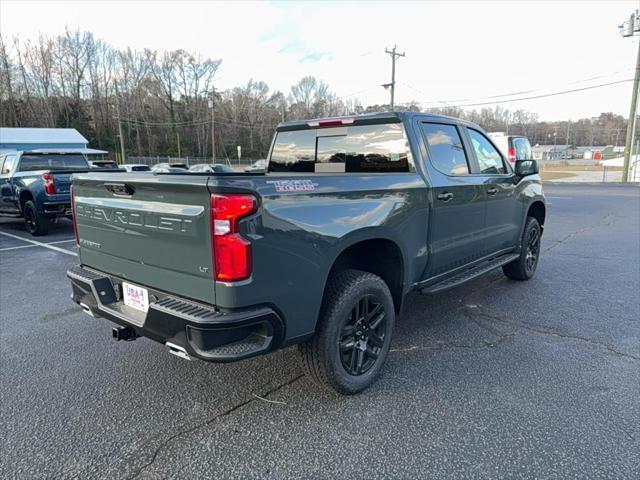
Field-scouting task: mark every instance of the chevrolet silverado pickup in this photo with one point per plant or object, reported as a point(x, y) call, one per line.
point(35, 185)
point(351, 215)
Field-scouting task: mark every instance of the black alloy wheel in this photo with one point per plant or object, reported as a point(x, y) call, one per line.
point(362, 336)
point(533, 250)
point(30, 219)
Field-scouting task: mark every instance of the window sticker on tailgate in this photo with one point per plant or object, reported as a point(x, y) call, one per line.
point(293, 185)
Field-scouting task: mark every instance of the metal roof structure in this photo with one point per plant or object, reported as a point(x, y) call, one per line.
point(41, 135)
point(86, 151)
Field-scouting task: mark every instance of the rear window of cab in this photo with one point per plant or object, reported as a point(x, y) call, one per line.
point(348, 149)
point(32, 162)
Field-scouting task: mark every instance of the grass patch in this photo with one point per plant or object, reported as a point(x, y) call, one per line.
point(555, 175)
point(577, 168)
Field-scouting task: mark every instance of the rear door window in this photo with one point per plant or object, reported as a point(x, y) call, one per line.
point(445, 147)
point(489, 159)
point(522, 148)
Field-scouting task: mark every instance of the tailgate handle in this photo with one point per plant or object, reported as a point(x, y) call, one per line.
point(445, 197)
point(120, 188)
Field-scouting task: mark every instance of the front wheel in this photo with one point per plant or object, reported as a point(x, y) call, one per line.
point(36, 223)
point(354, 333)
point(525, 265)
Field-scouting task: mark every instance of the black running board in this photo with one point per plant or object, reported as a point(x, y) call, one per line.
point(469, 274)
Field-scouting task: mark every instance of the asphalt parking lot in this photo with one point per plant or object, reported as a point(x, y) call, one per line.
point(494, 379)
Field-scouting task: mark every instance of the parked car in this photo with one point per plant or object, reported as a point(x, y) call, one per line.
point(211, 168)
point(35, 186)
point(257, 166)
point(136, 167)
point(513, 147)
point(321, 250)
point(165, 169)
point(103, 164)
point(164, 166)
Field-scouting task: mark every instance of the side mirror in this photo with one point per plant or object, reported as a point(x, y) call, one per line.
point(526, 167)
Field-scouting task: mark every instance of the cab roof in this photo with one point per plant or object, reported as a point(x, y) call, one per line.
point(368, 119)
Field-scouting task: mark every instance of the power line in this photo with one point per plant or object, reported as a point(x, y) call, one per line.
point(522, 92)
point(192, 123)
point(564, 92)
point(165, 124)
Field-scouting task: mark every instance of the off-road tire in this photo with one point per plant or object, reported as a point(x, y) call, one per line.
point(523, 268)
point(323, 359)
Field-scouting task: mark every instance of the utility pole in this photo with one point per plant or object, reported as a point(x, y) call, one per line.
point(213, 131)
point(568, 129)
point(178, 138)
point(122, 154)
point(629, 29)
point(633, 140)
point(392, 85)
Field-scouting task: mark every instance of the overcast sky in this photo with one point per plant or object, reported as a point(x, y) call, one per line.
point(456, 52)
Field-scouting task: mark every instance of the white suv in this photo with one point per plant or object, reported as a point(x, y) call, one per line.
point(513, 147)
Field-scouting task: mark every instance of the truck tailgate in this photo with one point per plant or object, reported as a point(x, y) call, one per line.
point(62, 181)
point(153, 233)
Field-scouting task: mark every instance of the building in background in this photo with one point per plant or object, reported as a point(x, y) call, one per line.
point(46, 139)
point(598, 153)
point(547, 153)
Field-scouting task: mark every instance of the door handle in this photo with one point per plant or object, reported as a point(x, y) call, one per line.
point(445, 197)
point(492, 191)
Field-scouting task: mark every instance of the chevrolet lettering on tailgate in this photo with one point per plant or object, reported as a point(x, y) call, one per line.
point(151, 220)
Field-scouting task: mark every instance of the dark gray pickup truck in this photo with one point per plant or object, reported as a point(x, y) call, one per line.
point(352, 214)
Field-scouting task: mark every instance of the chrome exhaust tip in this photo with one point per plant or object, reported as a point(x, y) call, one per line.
point(178, 351)
point(86, 309)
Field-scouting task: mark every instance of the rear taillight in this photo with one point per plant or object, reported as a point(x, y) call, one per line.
point(73, 216)
point(231, 252)
point(49, 185)
point(512, 155)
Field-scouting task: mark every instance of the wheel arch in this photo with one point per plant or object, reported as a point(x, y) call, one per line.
point(23, 197)
point(538, 210)
point(379, 255)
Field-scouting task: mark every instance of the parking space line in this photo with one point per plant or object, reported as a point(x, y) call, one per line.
point(31, 246)
point(40, 244)
point(17, 248)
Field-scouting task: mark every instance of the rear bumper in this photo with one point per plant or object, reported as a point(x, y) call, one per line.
point(57, 209)
point(201, 330)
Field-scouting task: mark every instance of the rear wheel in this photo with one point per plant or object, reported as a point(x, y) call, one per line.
point(525, 265)
point(36, 223)
point(354, 333)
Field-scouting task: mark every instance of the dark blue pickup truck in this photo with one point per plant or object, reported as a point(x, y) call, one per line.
point(36, 186)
